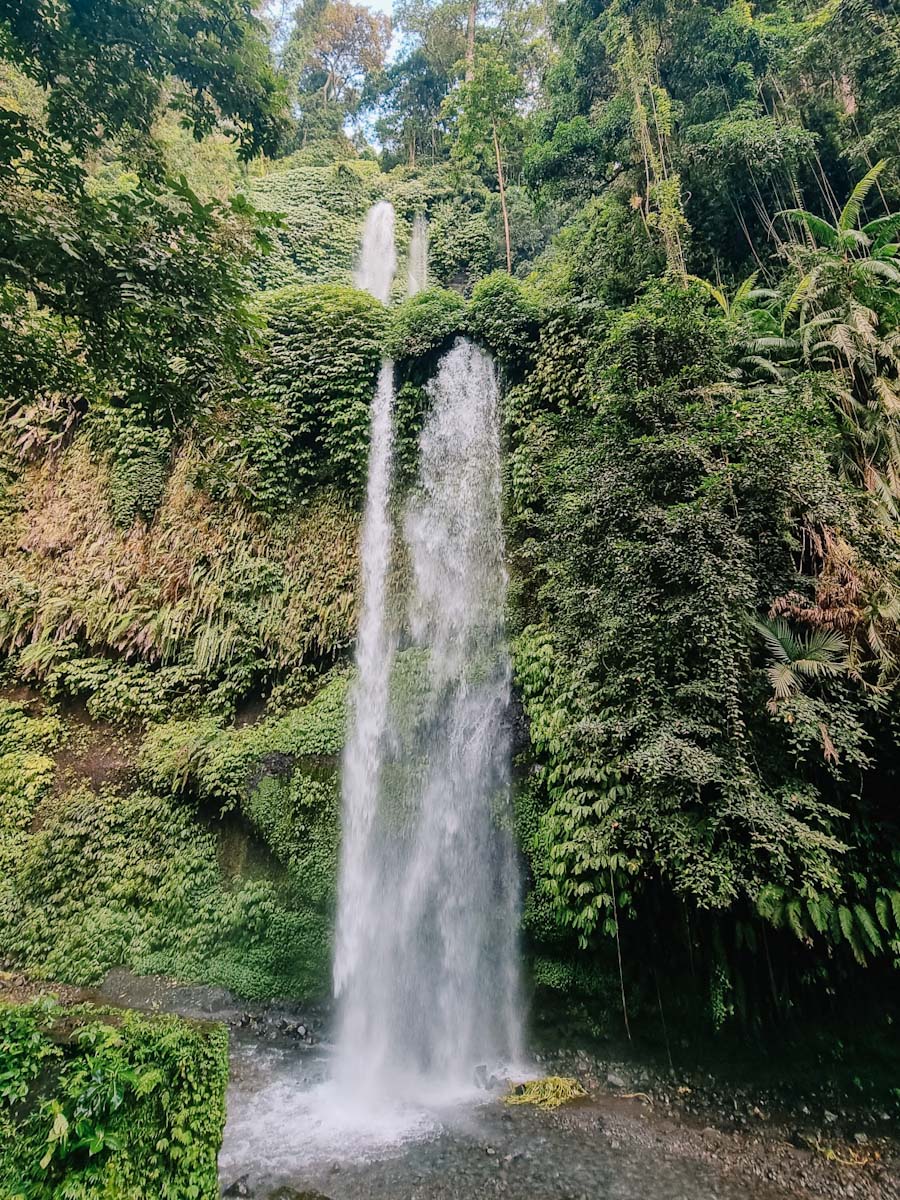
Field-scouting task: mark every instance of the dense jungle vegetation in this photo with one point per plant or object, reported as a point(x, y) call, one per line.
point(676, 225)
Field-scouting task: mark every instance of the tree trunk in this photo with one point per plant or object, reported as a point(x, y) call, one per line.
point(502, 183)
point(470, 41)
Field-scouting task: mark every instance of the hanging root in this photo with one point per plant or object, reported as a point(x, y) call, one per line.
point(545, 1093)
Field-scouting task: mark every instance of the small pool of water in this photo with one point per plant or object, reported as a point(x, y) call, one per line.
point(291, 1134)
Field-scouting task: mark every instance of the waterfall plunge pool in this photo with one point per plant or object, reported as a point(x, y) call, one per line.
point(291, 1136)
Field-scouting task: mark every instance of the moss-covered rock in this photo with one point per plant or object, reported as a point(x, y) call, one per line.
point(425, 323)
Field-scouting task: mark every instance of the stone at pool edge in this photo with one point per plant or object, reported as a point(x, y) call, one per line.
point(288, 1193)
point(241, 1188)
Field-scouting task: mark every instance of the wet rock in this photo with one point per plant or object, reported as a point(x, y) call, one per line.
point(830, 1117)
point(480, 1076)
point(615, 1080)
point(238, 1188)
point(287, 1193)
point(860, 1138)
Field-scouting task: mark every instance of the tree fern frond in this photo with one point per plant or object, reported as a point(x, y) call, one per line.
point(819, 909)
point(794, 914)
point(867, 925)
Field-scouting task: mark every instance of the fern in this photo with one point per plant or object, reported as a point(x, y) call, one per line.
point(868, 926)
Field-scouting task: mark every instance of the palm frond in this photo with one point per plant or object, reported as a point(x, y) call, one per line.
point(783, 680)
point(779, 639)
point(744, 291)
point(796, 298)
point(717, 294)
point(765, 366)
point(785, 344)
point(881, 268)
point(820, 229)
point(850, 212)
point(824, 652)
point(882, 229)
point(854, 238)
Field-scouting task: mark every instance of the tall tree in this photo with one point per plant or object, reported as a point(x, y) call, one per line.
point(408, 100)
point(145, 279)
point(487, 123)
point(471, 22)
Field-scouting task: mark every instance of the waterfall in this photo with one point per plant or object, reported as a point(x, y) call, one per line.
point(418, 256)
point(426, 962)
point(378, 256)
point(361, 764)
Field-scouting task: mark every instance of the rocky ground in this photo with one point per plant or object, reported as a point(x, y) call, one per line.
point(643, 1132)
point(814, 1138)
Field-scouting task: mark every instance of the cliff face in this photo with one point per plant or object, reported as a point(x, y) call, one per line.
point(177, 614)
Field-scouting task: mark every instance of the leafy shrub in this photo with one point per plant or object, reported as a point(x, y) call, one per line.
point(649, 525)
point(116, 691)
point(111, 880)
point(323, 349)
point(102, 1103)
point(140, 457)
point(462, 245)
point(504, 315)
point(322, 208)
point(219, 764)
point(26, 777)
point(425, 322)
point(604, 255)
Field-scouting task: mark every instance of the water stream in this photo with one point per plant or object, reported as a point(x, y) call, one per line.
point(426, 948)
point(417, 280)
point(428, 982)
point(377, 264)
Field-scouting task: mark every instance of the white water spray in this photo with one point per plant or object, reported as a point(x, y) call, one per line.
point(361, 765)
point(378, 256)
point(426, 956)
point(418, 256)
point(426, 966)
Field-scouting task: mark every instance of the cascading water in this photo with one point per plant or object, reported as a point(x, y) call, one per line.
point(426, 964)
point(378, 257)
point(361, 766)
point(417, 275)
point(426, 956)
